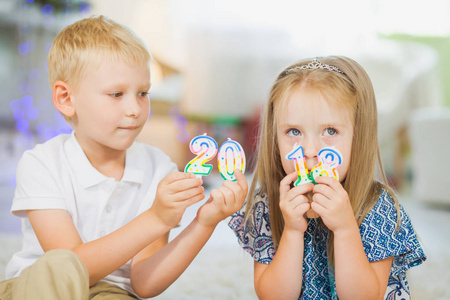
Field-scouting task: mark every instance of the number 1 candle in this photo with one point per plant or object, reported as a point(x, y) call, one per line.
point(231, 157)
point(205, 148)
point(298, 157)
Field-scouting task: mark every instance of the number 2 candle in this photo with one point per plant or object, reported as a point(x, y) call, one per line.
point(205, 147)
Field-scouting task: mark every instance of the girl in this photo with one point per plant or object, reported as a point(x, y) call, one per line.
point(349, 239)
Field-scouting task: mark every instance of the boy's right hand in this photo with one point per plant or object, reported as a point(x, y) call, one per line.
point(294, 203)
point(174, 194)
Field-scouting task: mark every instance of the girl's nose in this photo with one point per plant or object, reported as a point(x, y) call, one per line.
point(311, 146)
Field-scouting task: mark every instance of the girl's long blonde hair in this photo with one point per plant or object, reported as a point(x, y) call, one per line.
point(353, 89)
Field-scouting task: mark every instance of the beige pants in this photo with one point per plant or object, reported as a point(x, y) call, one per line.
point(58, 274)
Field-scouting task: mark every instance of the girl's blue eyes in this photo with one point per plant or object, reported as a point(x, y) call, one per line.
point(330, 131)
point(293, 132)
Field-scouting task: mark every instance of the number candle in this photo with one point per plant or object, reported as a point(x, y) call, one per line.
point(206, 148)
point(298, 157)
point(329, 160)
point(231, 157)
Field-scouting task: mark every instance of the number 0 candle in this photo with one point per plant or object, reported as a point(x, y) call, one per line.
point(205, 148)
point(231, 157)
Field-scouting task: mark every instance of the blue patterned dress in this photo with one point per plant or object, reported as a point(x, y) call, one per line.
point(378, 233)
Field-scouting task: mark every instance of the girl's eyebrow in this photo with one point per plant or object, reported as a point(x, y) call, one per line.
point(288, 125)
point(336, 124)
point(324, 125)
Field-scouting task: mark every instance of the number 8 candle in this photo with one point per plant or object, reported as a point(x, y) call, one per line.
point(206, 148)
point(231, 157)
point(329, 160)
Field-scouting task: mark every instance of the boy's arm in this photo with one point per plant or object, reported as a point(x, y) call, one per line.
point(55, 229)
point(152, 274)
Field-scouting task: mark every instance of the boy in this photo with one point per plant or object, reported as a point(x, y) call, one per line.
point(99, 204)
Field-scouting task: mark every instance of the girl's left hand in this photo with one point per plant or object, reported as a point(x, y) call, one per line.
point(331, 202)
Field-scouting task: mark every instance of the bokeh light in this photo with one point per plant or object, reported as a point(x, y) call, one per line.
point(85, 8)
point(35, 74)
point(27, 101)
point(47, 10)
point(26, 47)
point(180, 123)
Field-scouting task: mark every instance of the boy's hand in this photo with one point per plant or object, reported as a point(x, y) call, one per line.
point(174, 194)
point(293, 203)
point(223, 201)
point(331, 202)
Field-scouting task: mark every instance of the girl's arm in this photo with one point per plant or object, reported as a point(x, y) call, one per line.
point(282, 278)
point(356, 278)
point(152, 273)
point(56, 230)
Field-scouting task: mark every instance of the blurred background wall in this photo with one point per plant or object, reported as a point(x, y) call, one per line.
point(215, 61)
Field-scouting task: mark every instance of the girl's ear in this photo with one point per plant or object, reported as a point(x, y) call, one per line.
point(62, 98)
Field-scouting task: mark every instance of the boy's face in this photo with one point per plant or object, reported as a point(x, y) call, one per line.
point(111, 106)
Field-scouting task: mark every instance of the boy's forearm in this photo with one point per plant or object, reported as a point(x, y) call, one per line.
point(153, 275)
point(282, 278)
point(355, 278)
point(105, 255)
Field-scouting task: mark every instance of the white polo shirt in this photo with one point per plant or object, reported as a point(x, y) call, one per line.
point(58, 175)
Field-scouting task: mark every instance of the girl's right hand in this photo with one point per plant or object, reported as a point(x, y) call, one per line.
point(294, 203)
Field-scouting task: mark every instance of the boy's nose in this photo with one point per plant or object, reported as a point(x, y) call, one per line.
point(132, 108)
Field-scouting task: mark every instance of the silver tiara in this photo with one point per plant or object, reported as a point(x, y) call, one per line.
point(315, 64)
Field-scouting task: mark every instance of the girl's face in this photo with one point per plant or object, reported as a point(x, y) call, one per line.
point(313, 122)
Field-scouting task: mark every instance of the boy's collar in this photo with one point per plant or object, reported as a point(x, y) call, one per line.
point(88, 176)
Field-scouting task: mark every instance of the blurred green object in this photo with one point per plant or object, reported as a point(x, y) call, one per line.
point(442, 46)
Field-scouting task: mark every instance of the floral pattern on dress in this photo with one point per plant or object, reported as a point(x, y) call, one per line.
point(379, 233)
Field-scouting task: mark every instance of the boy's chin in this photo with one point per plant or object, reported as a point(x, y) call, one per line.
point(311, 214)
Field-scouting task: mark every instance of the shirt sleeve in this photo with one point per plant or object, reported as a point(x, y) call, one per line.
point(254, 234)
point(36, 186)
point(382, 238)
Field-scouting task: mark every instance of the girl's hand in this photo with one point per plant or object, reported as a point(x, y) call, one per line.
point(331, 202)
point(224, 201)
point(294, 203)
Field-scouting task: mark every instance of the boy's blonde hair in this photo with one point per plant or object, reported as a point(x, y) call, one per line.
point(355, 91)
point(87, 43)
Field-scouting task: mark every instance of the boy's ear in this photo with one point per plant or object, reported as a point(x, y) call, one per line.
point(62, 98)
